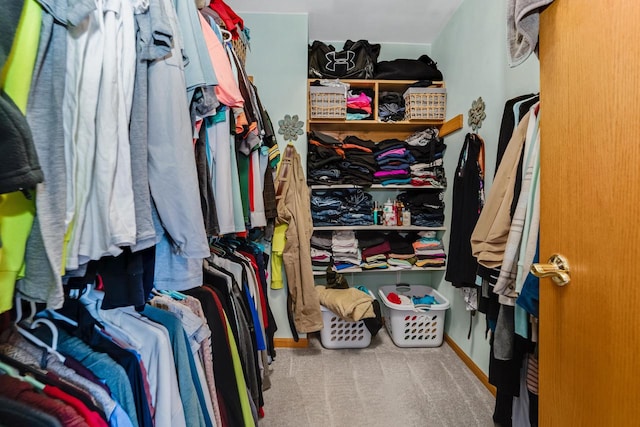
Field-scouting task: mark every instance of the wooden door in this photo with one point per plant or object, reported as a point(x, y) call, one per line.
point(590, 212)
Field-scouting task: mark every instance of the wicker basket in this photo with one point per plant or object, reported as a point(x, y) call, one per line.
point(327, 102)
point(241, 50)
point(426, 103)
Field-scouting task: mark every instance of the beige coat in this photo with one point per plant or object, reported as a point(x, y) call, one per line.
point(489, 237)
point(294, 209)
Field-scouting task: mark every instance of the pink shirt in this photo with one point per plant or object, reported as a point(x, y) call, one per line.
point(227, 89)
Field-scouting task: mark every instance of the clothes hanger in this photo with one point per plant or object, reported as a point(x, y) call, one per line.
point(52, 349)
point(57, 316)
point(227, 35)
point(215, 247)
point(42, 344)
point(14, 373)
point(516, 108)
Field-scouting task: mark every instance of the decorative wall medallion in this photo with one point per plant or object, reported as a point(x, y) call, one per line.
point(476, 114)
point(290, 127)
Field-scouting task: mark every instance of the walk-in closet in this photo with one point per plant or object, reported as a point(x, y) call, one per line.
point(234, 213)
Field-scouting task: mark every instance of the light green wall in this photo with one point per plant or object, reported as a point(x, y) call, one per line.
point(278, 63)
point(471, 53)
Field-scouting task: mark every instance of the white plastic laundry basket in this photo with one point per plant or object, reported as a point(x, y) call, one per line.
point(414, 327)
point(338, 333)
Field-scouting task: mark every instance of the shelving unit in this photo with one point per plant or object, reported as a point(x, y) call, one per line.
point(373, 128)
point(377, 130)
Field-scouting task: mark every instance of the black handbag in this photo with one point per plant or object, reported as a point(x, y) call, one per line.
point(423, 68)
point(356, 60)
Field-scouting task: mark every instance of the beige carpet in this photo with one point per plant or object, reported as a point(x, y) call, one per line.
point(378, 386)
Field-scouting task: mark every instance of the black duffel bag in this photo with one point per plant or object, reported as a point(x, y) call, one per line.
point(423, 68)
point(356, 60)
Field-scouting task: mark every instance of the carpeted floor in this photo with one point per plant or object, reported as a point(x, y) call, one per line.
point(378, 386)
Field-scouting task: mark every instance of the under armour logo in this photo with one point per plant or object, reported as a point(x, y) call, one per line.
point(344, 59)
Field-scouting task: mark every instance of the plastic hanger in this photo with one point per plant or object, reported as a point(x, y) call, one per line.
point(227, 36)
point(57, 316)
point(33, 324)
point(13, 372)
point(52, 349)
point(215, 247)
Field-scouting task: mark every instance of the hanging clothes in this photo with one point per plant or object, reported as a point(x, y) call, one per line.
point(490, 234)
point(142, 117)
point(468, 200)
point(293, 201)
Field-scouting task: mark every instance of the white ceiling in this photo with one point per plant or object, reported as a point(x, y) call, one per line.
point(390, 21)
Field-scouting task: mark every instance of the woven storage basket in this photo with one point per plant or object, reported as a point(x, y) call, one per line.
point(326, 102)
point(241, 50)
point(411, 327)
point(425, 103)
point(338, 333)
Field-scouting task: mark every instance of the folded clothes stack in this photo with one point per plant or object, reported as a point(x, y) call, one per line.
point(345, 249)
point(321, 253)
point(324, 155)
point(429, 250)
point(427, 207)
point(394, 162)
point(391, 107)
point(402, 253)
point(428, 150)
point(359, 104)
point(417, 161)
point(331, 161)
point(359, 164)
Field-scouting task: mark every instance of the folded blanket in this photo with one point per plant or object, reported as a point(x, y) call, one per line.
point(350, 304)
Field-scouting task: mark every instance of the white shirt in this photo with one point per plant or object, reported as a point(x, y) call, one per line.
point(157, 357)
point(79, 105)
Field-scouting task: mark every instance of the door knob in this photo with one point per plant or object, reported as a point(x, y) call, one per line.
point(557, 268)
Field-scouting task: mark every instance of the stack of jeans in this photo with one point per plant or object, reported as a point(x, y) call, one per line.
point(427, 207)
point(394, 162)
point(350, 206)
point(428, 150)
